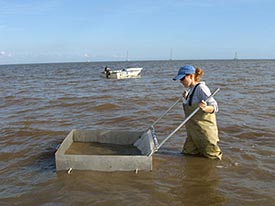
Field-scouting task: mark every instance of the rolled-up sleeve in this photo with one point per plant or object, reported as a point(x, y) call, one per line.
point(203, 93)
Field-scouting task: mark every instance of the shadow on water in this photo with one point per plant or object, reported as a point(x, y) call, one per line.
point(45, 161)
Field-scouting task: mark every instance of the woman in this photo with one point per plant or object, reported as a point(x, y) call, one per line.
point(202, 132)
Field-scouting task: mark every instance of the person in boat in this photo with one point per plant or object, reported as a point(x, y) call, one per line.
point(202, 131)
point(107, 72)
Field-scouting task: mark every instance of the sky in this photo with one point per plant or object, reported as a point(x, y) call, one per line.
point(45, 31)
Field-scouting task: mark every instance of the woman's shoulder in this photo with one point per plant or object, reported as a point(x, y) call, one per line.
point(203, 88)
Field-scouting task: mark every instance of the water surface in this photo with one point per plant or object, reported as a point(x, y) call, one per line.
point(41, 103)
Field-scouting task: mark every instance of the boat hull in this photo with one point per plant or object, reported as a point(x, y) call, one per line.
point(123, 74)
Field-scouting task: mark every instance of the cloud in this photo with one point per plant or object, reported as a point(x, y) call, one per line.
point(5, 54)
point(9, 8)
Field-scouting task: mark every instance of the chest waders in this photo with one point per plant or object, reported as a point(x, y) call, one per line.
point(202, 133)
point(148, 142)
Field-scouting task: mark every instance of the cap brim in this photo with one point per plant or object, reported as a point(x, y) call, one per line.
point(178, 77)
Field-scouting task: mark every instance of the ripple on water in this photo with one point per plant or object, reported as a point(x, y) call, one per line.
point(40, 104)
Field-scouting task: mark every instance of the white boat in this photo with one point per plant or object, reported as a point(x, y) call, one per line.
point(122, 74)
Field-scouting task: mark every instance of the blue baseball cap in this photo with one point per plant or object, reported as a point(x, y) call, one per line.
point(186, 69)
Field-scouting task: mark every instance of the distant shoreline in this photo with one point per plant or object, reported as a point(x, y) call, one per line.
point(108, 61)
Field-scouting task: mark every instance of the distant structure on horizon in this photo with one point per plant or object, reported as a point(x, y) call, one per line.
point(236, 56)
point(127, 59)
point(171, 54)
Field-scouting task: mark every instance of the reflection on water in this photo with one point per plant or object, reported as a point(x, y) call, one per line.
point(40, 104)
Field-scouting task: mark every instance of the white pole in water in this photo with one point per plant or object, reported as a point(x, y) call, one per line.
point(184, 122)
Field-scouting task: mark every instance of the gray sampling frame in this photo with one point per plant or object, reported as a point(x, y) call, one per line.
point(104, 150)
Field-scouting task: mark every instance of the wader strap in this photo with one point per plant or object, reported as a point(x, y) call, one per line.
point(192, 94)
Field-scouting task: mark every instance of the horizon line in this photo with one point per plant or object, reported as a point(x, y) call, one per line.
point(101, 61)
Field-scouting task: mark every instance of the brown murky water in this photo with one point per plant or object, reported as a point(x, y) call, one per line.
point(95, 148)
point(41, 104)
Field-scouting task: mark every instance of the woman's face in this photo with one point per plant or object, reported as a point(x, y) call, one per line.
point(187, 81)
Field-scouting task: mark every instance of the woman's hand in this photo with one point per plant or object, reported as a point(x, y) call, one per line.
point(204, 107)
